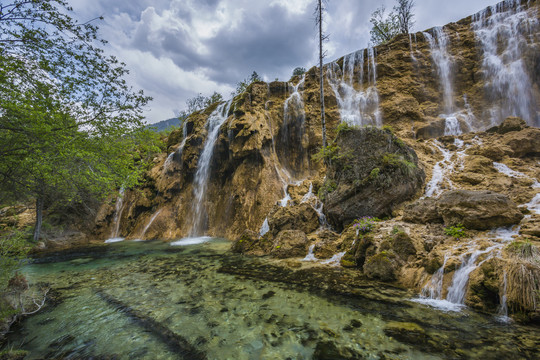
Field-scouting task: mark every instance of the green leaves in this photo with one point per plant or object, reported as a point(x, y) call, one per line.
point(70, 126)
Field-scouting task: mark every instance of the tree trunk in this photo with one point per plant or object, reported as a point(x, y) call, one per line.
point(39, 218)
point(321, 79)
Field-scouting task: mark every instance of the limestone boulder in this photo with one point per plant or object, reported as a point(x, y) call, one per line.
point(289, 243)
point(370, 172)
point(250, 243)
point(480, 210)
point(381, 266)
point(523, 143)
point(422, 212)
point(297, 217)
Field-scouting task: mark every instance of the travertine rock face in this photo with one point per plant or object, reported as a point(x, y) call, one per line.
point(297, 217)
point(481, 210)
point(370, 172)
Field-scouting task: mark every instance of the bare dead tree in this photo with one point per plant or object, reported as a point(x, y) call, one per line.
point(319, 10)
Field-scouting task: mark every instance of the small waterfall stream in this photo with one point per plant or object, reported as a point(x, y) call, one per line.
point(444, 63)
point(505, 34)
point(118, 209)
point(356, 107)
point(147, 226)
point(168, 161)
point(200, 182)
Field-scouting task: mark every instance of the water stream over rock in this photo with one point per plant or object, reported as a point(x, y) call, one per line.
point(200, 183)
point(358, 103)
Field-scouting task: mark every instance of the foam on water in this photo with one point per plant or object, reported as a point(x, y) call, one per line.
point(191, 241)
point(113, 240)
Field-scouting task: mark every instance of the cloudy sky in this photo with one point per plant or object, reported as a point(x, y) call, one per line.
point(176, 49)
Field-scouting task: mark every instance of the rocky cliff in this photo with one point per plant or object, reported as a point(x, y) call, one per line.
point(433, 103)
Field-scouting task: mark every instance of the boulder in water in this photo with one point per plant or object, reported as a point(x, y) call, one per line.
point(297, 217)
point(290, 243)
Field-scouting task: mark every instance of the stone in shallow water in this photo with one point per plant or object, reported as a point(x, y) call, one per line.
point(406, 332)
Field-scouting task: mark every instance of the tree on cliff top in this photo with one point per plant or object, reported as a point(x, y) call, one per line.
point(70, 125)
point(398, 21)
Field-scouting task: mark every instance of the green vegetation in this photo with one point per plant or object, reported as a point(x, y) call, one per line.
point(72, 128)
point(457, 231)
point(524, 249)
point(398, 21)
point(397, 161)
point(299, 71)
point(242, 86)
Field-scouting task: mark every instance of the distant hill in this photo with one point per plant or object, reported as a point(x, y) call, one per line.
point(164, 124)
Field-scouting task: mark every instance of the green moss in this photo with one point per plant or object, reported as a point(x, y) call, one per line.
point(13, 354)
point(388, 129)
point(328, 187)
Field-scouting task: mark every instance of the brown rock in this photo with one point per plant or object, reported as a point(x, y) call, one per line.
point(380, 266)
point(290, 243)
point(523, 143)
point(298, 217)
point(422, 212)
point(481, 210)
point(511, 124)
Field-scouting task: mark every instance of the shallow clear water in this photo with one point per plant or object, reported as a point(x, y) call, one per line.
point(150, 300)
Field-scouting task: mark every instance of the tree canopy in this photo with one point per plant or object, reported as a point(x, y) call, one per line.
point(70, 125)
point(398, 21)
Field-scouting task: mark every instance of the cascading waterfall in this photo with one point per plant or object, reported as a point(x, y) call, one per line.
point(200, 182)
point(432, 293)
point(310, 255)
point(264, 228)
point(434, 289)
point(178, 151)
point(503, 306)
point(118, 209)
point(149, 223)
point(506, 34)
point(314, 201)
point(438, 44)
point(356, 107)
point(458, 288)
point(443, 169)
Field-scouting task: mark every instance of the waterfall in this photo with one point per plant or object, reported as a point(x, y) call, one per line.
point(264, 228)
point(310, 255)
point(434, 289)
point(118, 209)
point(455, 297)
point(149, 223)
point(506, 34)
point(356, 107)
point(438, 44)
point(291, 137)
point(317, 205)
point(200, 182)
point(334, 260)
point(178, 151)
point(444, 63)
point(458, 288)
point(440, 172)
point(503, 306)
